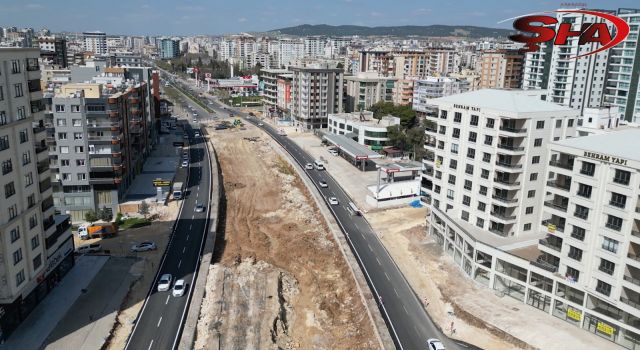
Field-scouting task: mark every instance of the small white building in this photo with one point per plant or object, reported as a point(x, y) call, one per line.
point(363, 127)
point(599, 121)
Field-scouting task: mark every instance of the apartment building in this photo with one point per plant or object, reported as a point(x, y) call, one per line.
point(316, 92)
point(491, 142)
point(36, 246)
point(98, 141)
point(424, 90)
point(501, 69)
point(363, 90)
point(95, 42)
point(621, 89)
point(363, 128)
point(169, 48)
point(53, 50)
point(403, 91)
point(269, 78)
point(284, 92)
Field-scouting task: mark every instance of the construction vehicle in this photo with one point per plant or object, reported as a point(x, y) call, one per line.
point(97, 230)
point(178, 189)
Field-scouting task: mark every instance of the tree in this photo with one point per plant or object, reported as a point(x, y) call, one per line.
point(91, 216)
point(415, 139)
point(104, 214)
point(397, 137)
point(143, 208)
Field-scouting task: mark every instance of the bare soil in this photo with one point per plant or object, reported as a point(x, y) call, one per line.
point(280, 281)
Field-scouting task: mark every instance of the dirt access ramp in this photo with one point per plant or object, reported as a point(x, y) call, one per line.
point(280, 281)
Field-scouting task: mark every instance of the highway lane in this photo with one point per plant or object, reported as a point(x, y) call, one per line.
point(405, 315)
point(160, 321)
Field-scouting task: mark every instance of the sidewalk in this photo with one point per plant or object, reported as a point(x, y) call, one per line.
point(32, 333)
point(90, 320)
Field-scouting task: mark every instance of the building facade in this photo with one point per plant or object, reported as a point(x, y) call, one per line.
point(316, 92)
point(53, 50)
point(366, 89)
point(424, 90)
point(169, 48)
point(501, 69)
point(363, 128)
point(95, 42)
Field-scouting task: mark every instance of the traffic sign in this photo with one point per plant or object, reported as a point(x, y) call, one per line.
point(207, 75)
point(161, 183)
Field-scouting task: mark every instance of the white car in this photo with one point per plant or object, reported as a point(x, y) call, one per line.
point(199, 208)
point(185, 163)
point(323, 184)
point(261, 124)
point(143, 247)
point(165, 282)
point(196, 134)
point(178, 288)
point(195, 120)
point(308, 166)
point(435, 344)
point(333, 200)
point(333, 152)
point(89, 248)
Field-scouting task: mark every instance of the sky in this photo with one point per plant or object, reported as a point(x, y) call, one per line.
point(215, 17)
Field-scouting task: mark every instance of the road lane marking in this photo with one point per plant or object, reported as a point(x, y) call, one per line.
point(150, 344)
point(396, 292)
point(371, 249)
point(405, 310)
point(193, 217)
point(183, 249)
point(167, 301)
point(187, 237)
point(388, 279)
point(159, 321)
point(190, 226)
point(378, 262)
point(180, 263)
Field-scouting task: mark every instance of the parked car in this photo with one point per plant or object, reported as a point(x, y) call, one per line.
point(323, 184)
point(89, 248)
point(143, 247)
point(333, 200)
point(165, 282)
point(333, 152)
point(199, 208)
point(435, 344)
point(178, 288)
point(185, 163)
point(308, 166)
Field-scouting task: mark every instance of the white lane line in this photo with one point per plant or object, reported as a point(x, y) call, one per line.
point(159, 321)
point(371, 249)
point(388, 279)
point(187, 237)
point(405, 310)
point(180, 263)
point(198, 188)
point(167, 301)
point(396, 292)
point(183, 249)
point(150, 344)
point(190, 226)
point(378, 262)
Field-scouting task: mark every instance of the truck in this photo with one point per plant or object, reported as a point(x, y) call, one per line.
point(97, 230)
point(177, 190)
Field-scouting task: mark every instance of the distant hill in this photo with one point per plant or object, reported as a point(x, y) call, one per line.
point(400, 31)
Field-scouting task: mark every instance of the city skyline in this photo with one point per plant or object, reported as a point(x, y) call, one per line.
point(140, 17)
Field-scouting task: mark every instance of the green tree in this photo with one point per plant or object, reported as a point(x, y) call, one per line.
point(415, 139)
point(397, 137)
point(91, 216)
point(104, 214)
point(143, 208)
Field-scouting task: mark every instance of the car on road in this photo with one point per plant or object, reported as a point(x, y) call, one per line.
point(333, 152)
point(143, 247)
point(195, 120)
point(199, 208)
point(323, 184)
point(308, 166)
point(178, 288)
point(196, 134)
point(333, 200)
point(89, 248)
point(165, 282)
point(435, 344)
point(185, 136)
point(185, 163)
point(261, 124)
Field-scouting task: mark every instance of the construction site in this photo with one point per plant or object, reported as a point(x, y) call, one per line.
point(278, 279)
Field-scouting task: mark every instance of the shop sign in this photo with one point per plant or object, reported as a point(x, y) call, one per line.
point(574, 314)
point(604, 328)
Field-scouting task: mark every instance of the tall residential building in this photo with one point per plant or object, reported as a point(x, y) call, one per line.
point(36, 249)
point(501, 69)
point(486, 157)
point(621, 89)
point(425, 90)
point(99, 143)
point(95, 42)
point(441, 61)
point(316, 91)
point(53, 50)
point(314, 46)
point(403, 91)
point(577, 83)
point(363, 90)
point(270, 94)
point(169, 48)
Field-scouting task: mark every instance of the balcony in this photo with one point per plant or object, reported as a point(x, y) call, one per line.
point(551, 243)
point(563, 165)
point(632, 280)
point(506, 182)
point(545, 266)
point(45, 185)
point(40, 148)
point(508, 165)
point(61, 228)
point(556, 184)
point(513, 130)
point(47, 204)
point(558, 227)
point(48, 223)
point(504, 199)
point(503, 216)
point(105, 125)
point(633, 257)
point(556, 205)
point(43, 166)
point(510, 147)
point(635, 304)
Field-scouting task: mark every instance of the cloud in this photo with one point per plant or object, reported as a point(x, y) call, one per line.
point(35, 7)
point(190, 8)
point(146, 6)
point(242, 19)
point(348, 0)
point(375, 14)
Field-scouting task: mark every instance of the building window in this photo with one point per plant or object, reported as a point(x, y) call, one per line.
point(529, 210)
point(82, 176)
point(62, 136)
point(465, 215)
point(33, 221)
point(603, 288)
point(483, 190)
point(79, 149)
point(471, 153)
point(457, 117)
point(578, 233)
point(527, 227)
point(443, 114)
point(468, 169)
point(584, 190)
point(59, 108)
point(9, 190)
point(533, 177)
point(24, 136)
point(19, 278)
point(35, 242)
point(75, 108)
point(575, 253)
point(450, 194)
point(453, 164)
point(491, 123)
point(3, 118)
point(76, 122)
point(581, 212)
point(622, 177)
point(570, 123)
point(610, 245)
point(558, 123)
point(17, 256)
point(64, 162)
point(21, 113)
point(618, 200)
point(606, 266)
point(484, 174)
point(26, 158)
point(587, 168)
point(452, 179)
point(436, 189)
point(13, 211)
point(480, 222)
point(540, 124)
point(531, 193)
point(454, 148)
point(61, 122)
point(535, 159)
point(77, 136)
point(15, 234)
point(4, 143)
point(37, 262)
point(537, 143)
point(1, 94)
point(482, 206)
point(456, 133)
point(466, 200)
point(80, 162)
point(15, 66)
point(7, 167)
point(488, 140)
point(443, 130)
point(474, 120)
point(473, 136)
point(614, 223)
point(573, 273)
point(18, 90)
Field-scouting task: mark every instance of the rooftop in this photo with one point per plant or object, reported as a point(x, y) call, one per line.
point(503, 100)
point(368, 120)
point(621, 143)
point(351, 147)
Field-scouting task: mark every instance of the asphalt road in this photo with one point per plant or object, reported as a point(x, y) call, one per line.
point(406, 318)
point(160, 322)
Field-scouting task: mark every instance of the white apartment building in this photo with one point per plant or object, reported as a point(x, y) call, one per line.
point(95, 42)
point(363, 128)
point(424, 90)
point(621, 88)
point(365, 89)
point(316, 92)
point(286, 51)
point(599, 121)
point(577, 83)
point(314, 46)
point(35, 246)
point(269, 78)
point(491, 142)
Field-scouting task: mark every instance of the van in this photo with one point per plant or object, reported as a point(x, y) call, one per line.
point(353, 210)
point(318, 165)
point(89, 248)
